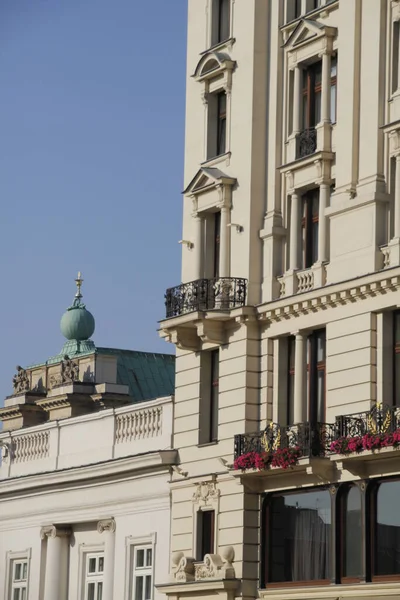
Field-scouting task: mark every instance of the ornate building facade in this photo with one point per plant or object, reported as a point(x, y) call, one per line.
point(86, 453)
point(287, 322)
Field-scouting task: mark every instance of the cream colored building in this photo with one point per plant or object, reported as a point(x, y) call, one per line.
point(86, 456)
point(287, 320)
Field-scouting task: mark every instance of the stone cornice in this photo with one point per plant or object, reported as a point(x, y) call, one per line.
point(331, 296)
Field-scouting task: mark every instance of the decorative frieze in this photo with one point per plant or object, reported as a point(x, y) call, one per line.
point(206, 493)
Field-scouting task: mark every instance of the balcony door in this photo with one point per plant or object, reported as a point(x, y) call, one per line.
point(316, 376)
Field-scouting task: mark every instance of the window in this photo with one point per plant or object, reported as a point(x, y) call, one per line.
point(142, 588)
point(316, 366)
point(298, 537)
point(224, 20)
point(333, 89)
point(19, 579)
point(396, 358)
point(209, 396)
point(94, 576)
point(386, 531)
point(216, 142)
point(217, 242)
point(312, 79)
point(205, 533)
point(352, 534)
point(290, 382)
point(310, 224)
point(395, 56)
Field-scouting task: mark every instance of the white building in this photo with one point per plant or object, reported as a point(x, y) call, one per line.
point(87, 457)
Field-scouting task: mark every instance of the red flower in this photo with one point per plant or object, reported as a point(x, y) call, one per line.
point(369, 441)
point(286, 458)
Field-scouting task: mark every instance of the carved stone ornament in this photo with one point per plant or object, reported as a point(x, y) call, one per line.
point(21, 381)
point(183, 567)
point(214, 566)
point(69, 370)
point(106, 525)
point(206, 491)
point(51, 531)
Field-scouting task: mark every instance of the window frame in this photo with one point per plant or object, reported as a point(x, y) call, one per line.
point(373, 504)
point(314, 366)
point(308, 221)
point(201, 550)
point(221, 123)
point(222, 22)
point(341, 531)
point(209, 397)
point(267, 541)
point(290, 384)
point(12, 558)
point(94, 577)
point(132, 544)
point(395, 351)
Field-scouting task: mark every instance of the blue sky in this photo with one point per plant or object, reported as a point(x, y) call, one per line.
point(91, 161)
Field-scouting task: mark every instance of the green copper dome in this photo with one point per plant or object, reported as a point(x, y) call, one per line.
point(77, 323)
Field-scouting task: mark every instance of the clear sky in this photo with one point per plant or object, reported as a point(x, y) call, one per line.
point(91, 170)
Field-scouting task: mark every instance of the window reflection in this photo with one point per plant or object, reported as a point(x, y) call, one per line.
point(387, 535)
point(352, 542)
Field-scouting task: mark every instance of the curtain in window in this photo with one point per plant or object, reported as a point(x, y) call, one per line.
point(311, 551)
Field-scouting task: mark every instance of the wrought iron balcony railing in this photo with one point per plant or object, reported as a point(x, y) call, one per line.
point(223, 293)
point(306, 143)
point(312, 439)
point(380, 419)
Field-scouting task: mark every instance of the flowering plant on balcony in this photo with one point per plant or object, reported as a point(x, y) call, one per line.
point(284, 458)
point(369, 441)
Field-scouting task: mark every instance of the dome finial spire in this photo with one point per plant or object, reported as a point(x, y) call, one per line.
point(79, 282)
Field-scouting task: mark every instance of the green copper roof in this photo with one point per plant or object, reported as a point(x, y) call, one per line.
point(77, 323)
point(148, 375)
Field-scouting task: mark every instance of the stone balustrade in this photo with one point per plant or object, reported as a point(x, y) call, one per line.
point(87, 439)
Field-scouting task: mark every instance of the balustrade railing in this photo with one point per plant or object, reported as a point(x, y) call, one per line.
point(222, 293)
point(32, 446)
point(139, 425)
point(306, 143)
point(305, 281)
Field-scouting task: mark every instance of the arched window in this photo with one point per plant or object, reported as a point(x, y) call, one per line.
point(352, 535)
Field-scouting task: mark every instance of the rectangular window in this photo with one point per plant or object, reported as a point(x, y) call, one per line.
point(298, 538)
point(311, 110)
point(396, 358)
point(310, 224)
point(224, 20)
point(209, 397)
point(333, 89)
point(94, 576)
point(217, 243)
point(290, 381)
point(297, 8)
point(142, 588)
point(205, 533)
point(221, 135)
point(395, 56)
point(316, 375)
point(19, 579)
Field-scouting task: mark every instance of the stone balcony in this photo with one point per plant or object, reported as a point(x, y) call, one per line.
point(199, 310)
point(140, 428)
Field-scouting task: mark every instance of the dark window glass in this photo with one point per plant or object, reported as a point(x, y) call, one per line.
point(316, 350)
point(387, 530)
point(312, 95)
point(224, 20)
point(217, 242)
point(352, 534)
point(297, 9)
point(221, 134)
point(299, 537)
point(214, 393)
point(396, 358)
point(310, 225)
point(205, 533)
point(290, 383)
point(333, 89)
point(315, 4)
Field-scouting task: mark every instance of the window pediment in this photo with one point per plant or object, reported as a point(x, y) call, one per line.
point(207, 178)
point(308, 31)
point(213, 64)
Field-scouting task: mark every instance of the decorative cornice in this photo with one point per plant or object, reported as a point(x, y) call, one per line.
point(295, 306)
point(52, 531)
point(107, 525)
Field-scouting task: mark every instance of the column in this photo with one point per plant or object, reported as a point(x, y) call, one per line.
point(299, 377)
point(296, 99)
point(107, 528)
point(225, 242)
point(198, 245)
point(294, 232)
point(397, 199)
point(324, 196)
point(56, 574)
point(326, 88)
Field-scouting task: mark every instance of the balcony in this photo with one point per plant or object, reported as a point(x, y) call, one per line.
point(278, 450)
point(224, 293)
point(306, 143)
